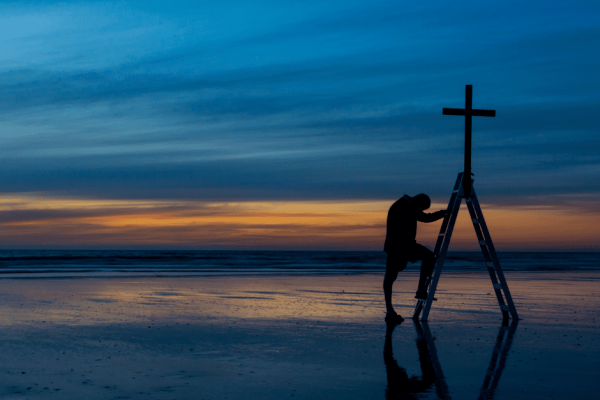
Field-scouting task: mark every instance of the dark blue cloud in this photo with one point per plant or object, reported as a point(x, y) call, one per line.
point(341, 100)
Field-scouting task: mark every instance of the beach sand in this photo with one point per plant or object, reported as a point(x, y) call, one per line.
point(297, 337)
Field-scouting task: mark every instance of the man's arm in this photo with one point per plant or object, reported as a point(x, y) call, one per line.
point(425, 217)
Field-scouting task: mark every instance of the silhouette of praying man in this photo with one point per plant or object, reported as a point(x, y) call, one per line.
point(400, 386)
point(401, 246)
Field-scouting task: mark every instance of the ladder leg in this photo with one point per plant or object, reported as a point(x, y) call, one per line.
point(440, 240)
point(455, 193)
point(487, 257)
point(444, 241)
point(491, 258)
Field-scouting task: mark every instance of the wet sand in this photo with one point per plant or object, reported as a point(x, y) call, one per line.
point(297, 337)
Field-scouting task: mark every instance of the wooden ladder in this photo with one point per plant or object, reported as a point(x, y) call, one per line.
point(487, 248)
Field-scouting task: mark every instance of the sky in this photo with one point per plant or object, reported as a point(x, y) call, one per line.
point(294, 125)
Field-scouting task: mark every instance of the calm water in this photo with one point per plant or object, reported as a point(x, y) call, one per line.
point(80, 263)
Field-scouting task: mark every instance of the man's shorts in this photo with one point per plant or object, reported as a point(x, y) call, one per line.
point(397, 260)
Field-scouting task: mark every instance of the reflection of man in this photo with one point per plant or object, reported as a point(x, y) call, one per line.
point(401, 246)
point(400, 386)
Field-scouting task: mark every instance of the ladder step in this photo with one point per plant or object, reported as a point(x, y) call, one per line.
point(442, 234)
point(504, 308)
point(455, 191)
point(497, 285)
point(475, 221)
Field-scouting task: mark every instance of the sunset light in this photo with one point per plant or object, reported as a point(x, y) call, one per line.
point(39, 221)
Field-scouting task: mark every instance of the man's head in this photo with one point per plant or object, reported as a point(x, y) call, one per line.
point(421, 201)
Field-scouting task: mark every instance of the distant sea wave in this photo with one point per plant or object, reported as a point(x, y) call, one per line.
point(103, 263)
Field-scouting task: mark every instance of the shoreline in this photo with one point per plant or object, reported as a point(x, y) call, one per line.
point(595, 274)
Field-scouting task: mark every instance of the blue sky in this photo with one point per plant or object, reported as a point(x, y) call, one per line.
point(302, 100)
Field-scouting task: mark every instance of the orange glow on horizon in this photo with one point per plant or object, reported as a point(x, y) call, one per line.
point(37, 221)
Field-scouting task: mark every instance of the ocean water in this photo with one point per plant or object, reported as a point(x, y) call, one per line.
point(107, 263)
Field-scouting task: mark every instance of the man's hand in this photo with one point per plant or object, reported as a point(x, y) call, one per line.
point(441, 214)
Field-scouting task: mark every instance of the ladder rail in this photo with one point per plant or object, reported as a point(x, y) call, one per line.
point(486, 254)
point(446, 220)
point(494, 256)
point(440, 259)
point(442, 236)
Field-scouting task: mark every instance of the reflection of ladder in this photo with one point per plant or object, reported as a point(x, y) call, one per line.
point(441, 387)
point(494, 371)
point(487, 248)
point(498, 361)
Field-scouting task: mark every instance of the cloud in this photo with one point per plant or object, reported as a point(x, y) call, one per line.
point(322, 101)
point(60, 221)
point(34, 221)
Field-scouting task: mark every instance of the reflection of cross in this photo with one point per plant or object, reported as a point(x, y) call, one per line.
point(468, 112)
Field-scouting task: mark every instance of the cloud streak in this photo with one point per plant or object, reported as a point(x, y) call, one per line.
point(34, 222)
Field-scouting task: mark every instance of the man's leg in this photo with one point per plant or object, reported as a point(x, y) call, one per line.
point(388, 281)
point(394, 264)
point(427, 265)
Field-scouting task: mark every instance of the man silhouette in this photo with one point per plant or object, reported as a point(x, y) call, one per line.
point(400, 386)
point(401, 246)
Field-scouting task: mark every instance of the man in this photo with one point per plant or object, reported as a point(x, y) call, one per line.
point(401, 246)
point(400, 386)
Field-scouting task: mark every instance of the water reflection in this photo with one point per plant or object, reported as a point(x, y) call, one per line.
point(498, 361)
point(401, 386)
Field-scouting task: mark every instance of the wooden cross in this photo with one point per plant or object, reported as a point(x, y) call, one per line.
point(468, 112)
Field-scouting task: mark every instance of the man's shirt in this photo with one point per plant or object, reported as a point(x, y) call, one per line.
point(402, 224)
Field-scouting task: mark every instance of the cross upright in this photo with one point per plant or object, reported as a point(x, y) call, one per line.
point(468, 112)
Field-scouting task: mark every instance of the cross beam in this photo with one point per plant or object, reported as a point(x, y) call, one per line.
point(468, 112)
